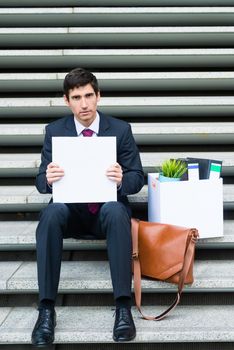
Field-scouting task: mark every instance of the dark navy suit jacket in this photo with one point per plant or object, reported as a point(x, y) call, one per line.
point(127, 152)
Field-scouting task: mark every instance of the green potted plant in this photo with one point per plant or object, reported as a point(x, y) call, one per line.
point(172, 170)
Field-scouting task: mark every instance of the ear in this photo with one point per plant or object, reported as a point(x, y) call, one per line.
point(66, 100)
point(98, 96)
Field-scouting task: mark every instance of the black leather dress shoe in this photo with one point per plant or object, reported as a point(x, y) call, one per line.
point(124, 328)
point(43, 332)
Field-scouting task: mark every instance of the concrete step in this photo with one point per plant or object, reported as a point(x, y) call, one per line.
point(27, 198)
point(121, 58)
point(121, 81)
point(199, 324)
point(114, 3)
point(94, 276)
point(158, 106)
point(19, 164)
point(144, 133)
point(109, 37)
point(20, 235)
point(126, 3)
point(109, 16)
point(27, 164)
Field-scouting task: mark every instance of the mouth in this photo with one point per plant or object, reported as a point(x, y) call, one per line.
point(84, 113)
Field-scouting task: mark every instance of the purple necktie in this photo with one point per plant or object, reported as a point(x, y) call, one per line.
point(93, 207)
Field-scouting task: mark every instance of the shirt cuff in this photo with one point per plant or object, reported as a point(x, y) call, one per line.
point(50, 186)
point(119, 186)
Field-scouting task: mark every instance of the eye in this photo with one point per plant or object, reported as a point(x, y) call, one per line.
point(89, 95)
point(76, 98)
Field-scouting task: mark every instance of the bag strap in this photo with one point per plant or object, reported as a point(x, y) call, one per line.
point(137, 271)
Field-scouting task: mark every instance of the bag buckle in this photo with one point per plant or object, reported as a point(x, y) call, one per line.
point(135, 256)
point(195, 235)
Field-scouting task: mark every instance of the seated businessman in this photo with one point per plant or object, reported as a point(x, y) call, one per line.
point(111, 220)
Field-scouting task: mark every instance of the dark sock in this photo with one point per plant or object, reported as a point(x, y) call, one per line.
point(123, 302)
point(47, 304)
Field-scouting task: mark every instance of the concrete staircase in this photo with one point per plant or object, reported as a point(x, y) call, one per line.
point(165, 66)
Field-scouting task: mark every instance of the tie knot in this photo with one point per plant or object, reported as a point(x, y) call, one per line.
point(87, 132)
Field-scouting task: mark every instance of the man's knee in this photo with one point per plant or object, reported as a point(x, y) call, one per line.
point(114, 210)
point(55, 212)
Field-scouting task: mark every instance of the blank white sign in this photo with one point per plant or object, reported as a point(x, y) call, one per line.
point(85, 161)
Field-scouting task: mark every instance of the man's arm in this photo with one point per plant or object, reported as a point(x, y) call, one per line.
point(48, 172)
point(129, 160)
point(46, 158)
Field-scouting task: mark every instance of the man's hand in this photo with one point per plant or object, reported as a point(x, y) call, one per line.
point(53, 173)
point(115, 173)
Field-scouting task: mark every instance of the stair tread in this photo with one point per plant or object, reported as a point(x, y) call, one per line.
point(22, 233)
point(29, 194)
point(123, 101)
point(138, 128)
point(113, 52)
point(90, 276)
point(95, 324)
point(114, 4)
point(151, 159)
point(125, 30)
point(115, 10)
point(123, 75)
point(112, 58)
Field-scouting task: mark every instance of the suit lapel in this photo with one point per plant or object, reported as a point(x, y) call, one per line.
point(104, 125)
point(70, 128)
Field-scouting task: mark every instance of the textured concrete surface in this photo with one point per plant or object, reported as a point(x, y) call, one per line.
point(30, 195)
point(121, 52)
point(26, 160)
point(146, 129)
point(149, 159)
point(124, 101)
point(121, 10)
point(89, 276)
point(7, 271)
point(95, 324)
point(22, 129)
point(113, 30)
point(13, 233)
point(4, 311)
point(122, 76)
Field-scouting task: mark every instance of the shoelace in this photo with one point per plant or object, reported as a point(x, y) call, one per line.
point(123, 314)
point(45, 316)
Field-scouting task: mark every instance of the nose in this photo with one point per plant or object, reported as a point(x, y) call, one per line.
point(83, 103)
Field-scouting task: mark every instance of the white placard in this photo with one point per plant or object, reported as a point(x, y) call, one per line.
point(85, 161)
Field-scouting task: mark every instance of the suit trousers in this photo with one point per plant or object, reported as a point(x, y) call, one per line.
point(58, 221)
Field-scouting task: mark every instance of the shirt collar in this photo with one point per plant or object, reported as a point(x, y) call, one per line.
point(94, 126)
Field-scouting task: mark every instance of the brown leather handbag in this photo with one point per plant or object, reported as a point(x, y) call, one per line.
point(163, 252)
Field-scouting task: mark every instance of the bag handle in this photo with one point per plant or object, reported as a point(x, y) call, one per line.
point(137, 271)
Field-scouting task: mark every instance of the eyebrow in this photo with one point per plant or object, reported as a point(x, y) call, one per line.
point(88, 94)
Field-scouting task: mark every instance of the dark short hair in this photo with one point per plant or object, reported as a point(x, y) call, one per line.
point(79, 77)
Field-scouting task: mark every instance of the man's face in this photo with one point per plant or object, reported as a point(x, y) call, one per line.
point(83, 103)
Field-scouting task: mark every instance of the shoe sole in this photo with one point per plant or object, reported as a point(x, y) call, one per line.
point(122, 340)
point(42, 345)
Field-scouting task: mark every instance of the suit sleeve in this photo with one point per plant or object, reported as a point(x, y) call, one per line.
point(129, 159)
point(46, 158)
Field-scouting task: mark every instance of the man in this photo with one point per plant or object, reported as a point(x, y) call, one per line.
point(111, 219)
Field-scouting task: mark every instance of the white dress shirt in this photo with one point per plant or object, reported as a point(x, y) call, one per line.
point(94, 126)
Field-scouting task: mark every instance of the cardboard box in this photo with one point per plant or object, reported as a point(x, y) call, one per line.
point(196, 204)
